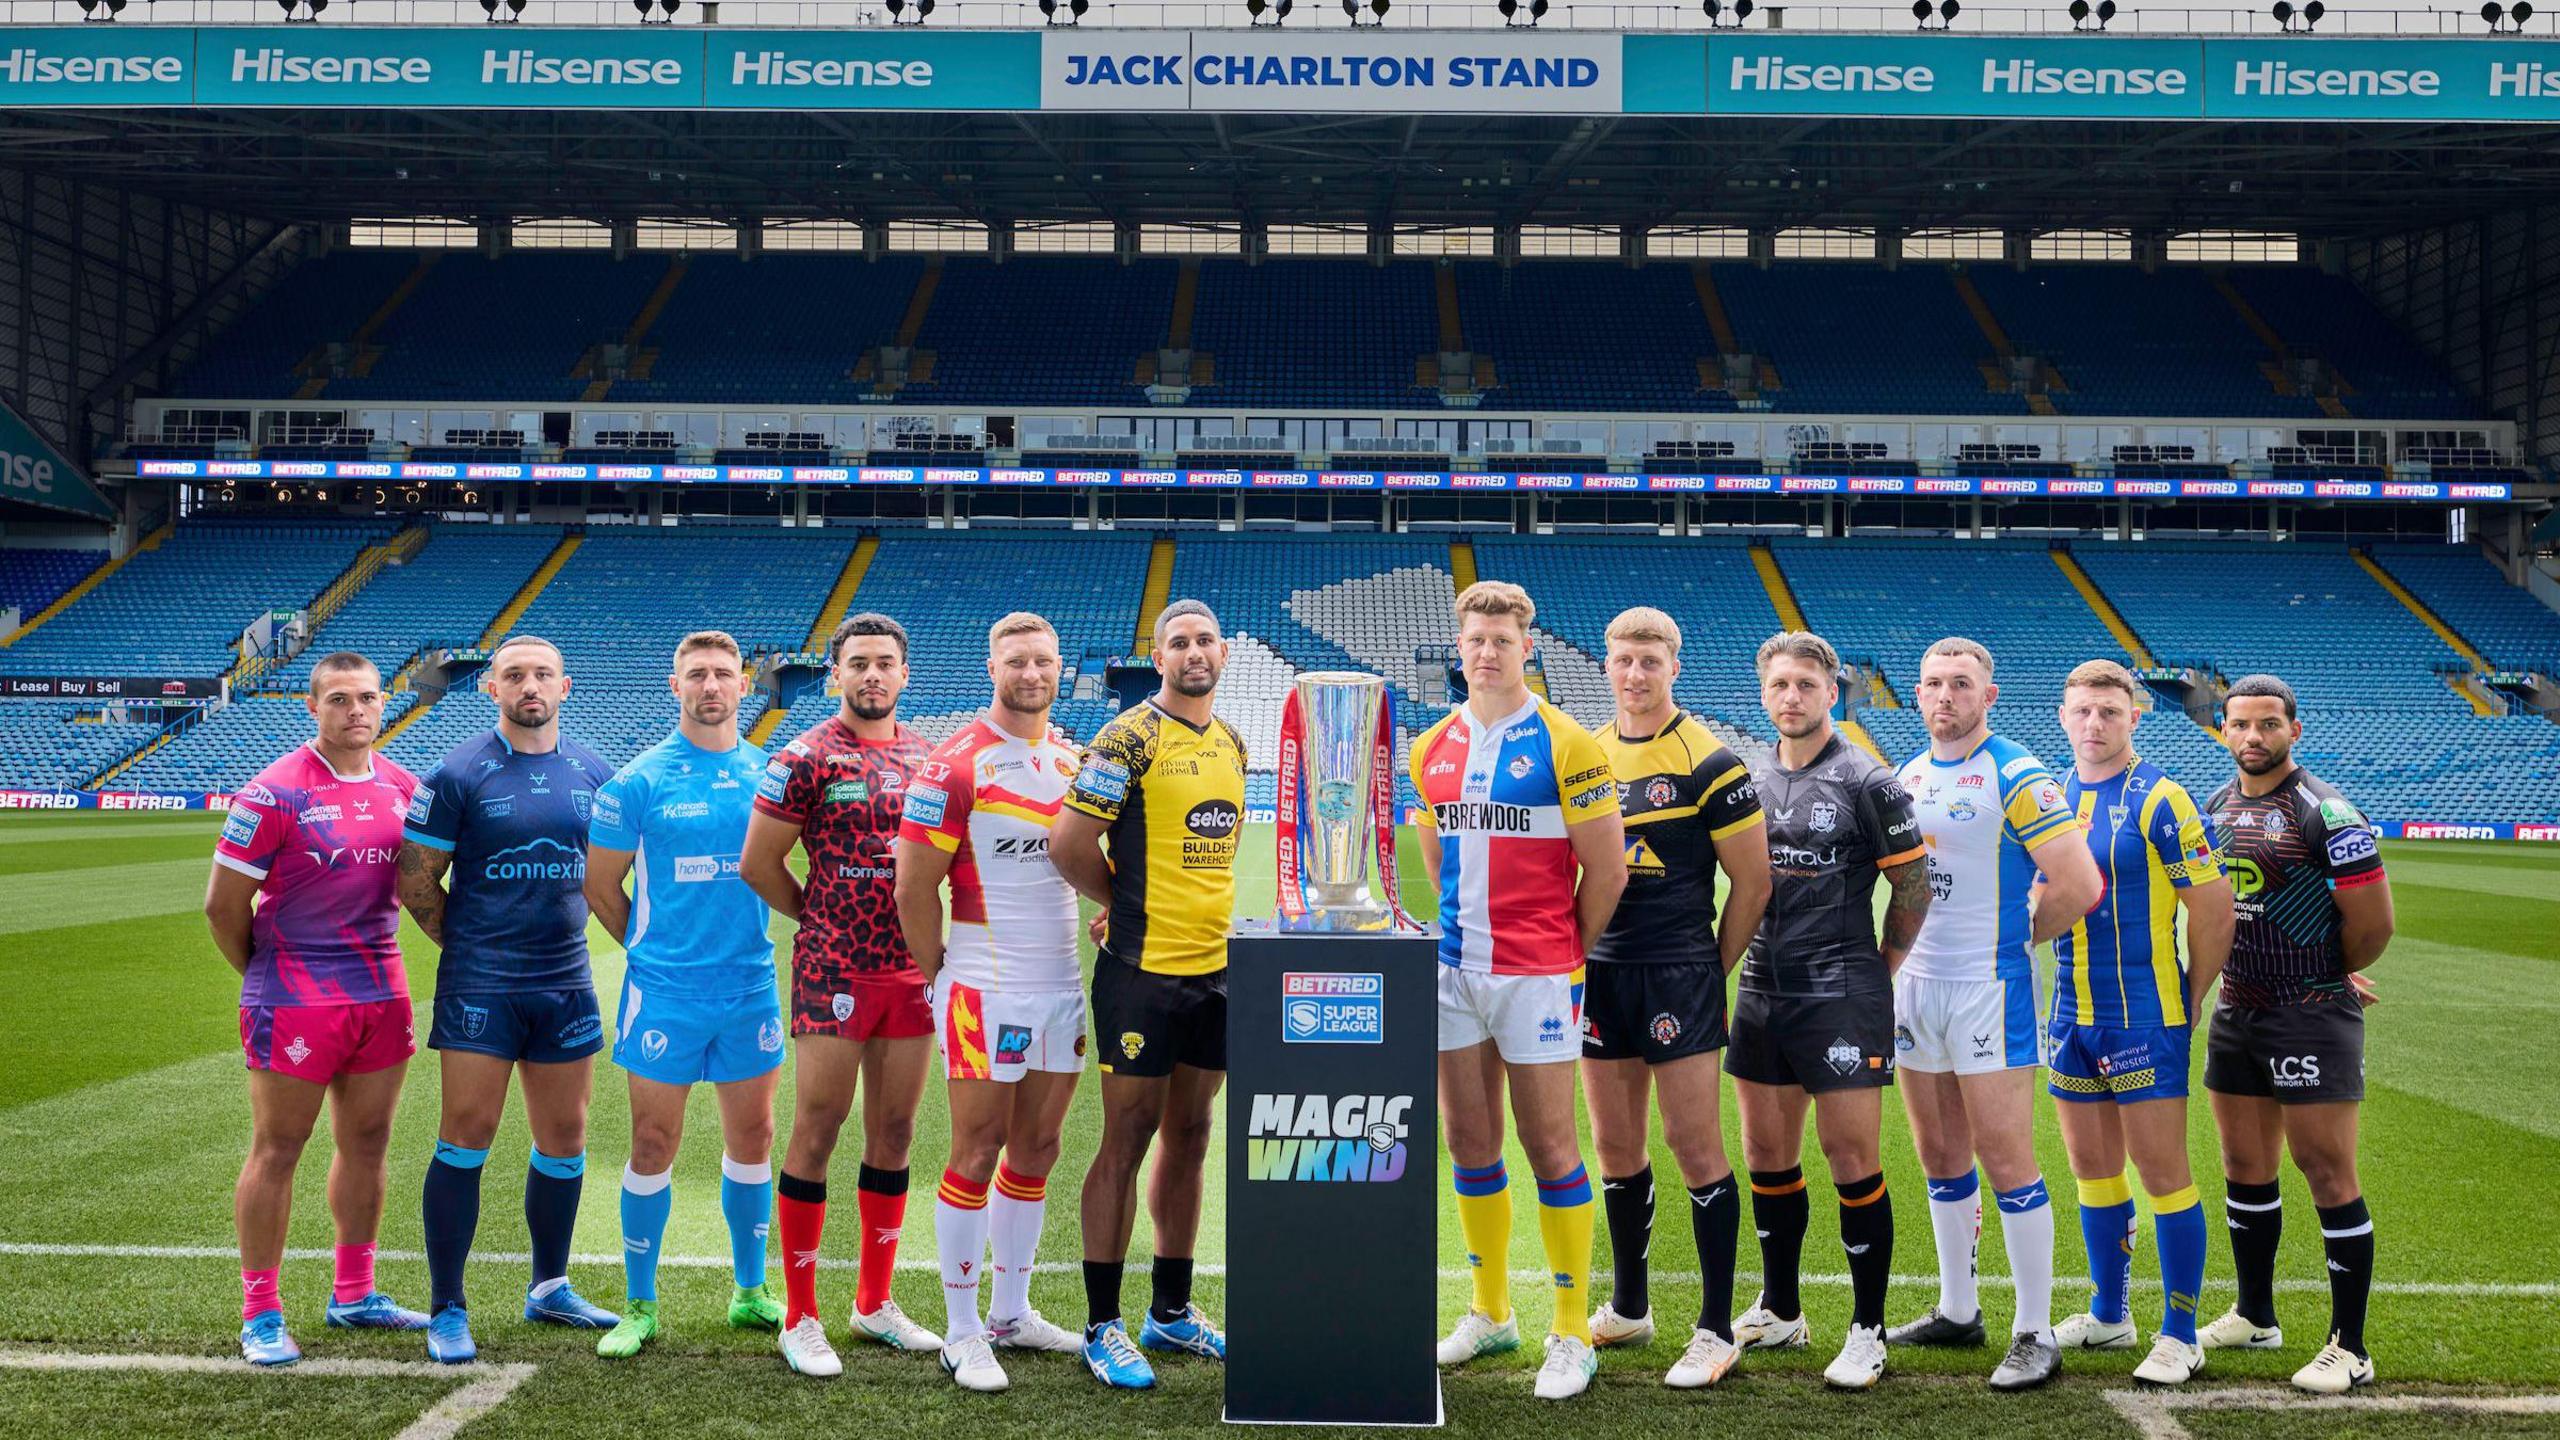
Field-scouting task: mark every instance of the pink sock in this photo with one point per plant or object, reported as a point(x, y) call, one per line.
point(355, 1273)
point(258, 1293)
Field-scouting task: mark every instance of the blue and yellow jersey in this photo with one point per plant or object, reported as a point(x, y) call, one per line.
point(2120, 966)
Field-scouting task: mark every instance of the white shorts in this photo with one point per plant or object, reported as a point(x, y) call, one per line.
point(1531, 1019)
point(997, 1035)
point(1971, 1027)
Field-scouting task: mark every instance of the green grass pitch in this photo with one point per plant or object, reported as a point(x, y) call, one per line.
point(122, 1118)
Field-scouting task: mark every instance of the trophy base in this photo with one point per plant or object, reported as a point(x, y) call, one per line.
point(1344, 920)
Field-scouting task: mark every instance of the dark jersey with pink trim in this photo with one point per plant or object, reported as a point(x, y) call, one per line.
point(322, 847)
point(847, 795)
point(2287, 852)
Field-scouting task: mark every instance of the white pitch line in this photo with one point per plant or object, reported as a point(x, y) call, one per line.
point(485, 1386)
point(2477, 1289)
point(2153, 1413)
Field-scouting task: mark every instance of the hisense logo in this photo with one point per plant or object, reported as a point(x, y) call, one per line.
point(270, 66)
point(29, 67)
point(1779, 75)
point(525, 67)
point(2026, 77)
point(2276, 77)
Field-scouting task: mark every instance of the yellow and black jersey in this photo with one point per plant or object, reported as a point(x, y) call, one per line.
point(1173, 797)
point(1681, 791)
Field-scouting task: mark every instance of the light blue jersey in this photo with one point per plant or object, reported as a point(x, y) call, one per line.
point(696, 928)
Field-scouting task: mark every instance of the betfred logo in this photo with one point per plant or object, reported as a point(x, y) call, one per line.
point(137, 800)
point(2444, 830)
point(2547, 833)
point(38, 800)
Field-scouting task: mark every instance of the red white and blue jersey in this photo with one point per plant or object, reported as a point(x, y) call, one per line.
point(322, 847)
point(1500, 797)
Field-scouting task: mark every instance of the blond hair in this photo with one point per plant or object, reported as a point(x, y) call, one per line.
point(1020, 622)
point(1644, 625)
point(1958, 645)
point(1496, 597)
point(709, 640)
point(2105, 675)
point(1798, 645)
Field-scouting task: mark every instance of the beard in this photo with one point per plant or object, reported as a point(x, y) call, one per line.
point(2267, 760)
point(1194, 683)
point(531, 713)
point(870, 709)
point(1028, 699)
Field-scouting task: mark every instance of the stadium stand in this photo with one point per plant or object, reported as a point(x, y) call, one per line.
point(1862, 340)
point(2502, 622)
point(2324, 317)
point(49, 746)
point(2133, 344)
point(1047, 330)
point(446, 595)
point(32, 578)
point(721, 339)
point(1321, 333)
point(1589, 337)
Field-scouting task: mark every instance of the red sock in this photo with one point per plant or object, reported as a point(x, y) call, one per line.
point(803, 1218)
point(258, 1293)
point(355, 1273)
point(883, 1198)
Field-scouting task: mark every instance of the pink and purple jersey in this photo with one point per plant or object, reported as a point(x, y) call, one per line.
point(322, 847)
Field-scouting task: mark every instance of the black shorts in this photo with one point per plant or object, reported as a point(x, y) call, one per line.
point(1145, 1023)
point(1826, 1042)
point(2292, 1054)
point(1653, 1013)
point(539, 1027)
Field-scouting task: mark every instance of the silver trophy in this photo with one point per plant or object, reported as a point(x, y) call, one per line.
point(1337, 806)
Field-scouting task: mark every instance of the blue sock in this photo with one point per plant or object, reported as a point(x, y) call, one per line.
point(646, 1201)
point(2178, 1222)
point(2107, 1229)
point(552, 1186)
point(746, 1202)
point(452, 1218)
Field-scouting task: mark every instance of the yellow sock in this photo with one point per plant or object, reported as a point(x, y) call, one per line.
point(1484, 1218)
point(1564, 1222)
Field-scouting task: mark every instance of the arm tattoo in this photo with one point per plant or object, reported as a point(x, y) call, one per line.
point(1909, 905)
point(421, 886)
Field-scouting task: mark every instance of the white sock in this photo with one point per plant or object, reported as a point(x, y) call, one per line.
point(1015, 1223)
point(960, 1233)
point(2026, 1227)
point(1955, 1217)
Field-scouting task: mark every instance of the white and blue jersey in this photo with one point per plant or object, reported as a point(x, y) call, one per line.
point(1981, 818)
point(516, 827)
point(698, 999)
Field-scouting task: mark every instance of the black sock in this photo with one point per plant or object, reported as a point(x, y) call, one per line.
point(1778, 1211)
point(881, 1182)
point(1715, 1218)
point(1628, 1203)
point(1866, 1233)
point(2346, 1233)
point(792, 1187)
point(1101, 1292)
point(1172, 1288)
point(2254, 1216)
point(452, 1218)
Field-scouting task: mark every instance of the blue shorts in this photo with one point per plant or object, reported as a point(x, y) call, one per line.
point(540, 1027)
point(680, 1039)
point(2099, 1062)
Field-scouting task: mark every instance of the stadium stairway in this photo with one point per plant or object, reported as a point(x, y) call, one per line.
point(360, 572)
point(87, 583)
point(1462, 564)
point(1995, 377)
point(2104, 609)
point(2465, 685)
point(1782, 598)
point(2278, 366)
point(641, 360)
point(1157, 594)
point(839, 602)
point(360, 346)
point(1702, 279)
point(496, 631)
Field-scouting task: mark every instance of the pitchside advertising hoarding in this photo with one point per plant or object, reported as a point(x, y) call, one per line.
point(1233, 70)
point(2450, 492)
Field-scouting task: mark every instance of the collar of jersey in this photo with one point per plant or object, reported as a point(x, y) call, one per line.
point(1505, 723)
point(1987, 738)
point(369, 770)
point(1677, 715)
point(2113, 781)
point(1150, 703)
point(1834, 743)
point(678, 737)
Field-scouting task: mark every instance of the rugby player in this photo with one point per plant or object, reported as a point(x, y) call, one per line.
point(2284, 1065)
point(1164, 782)
point(1516, 800)
point(1653, 1010)
point(505, 815)
point(1813, 1021)
point(698, 1000)
point(858, 1013)
point(1994, 820)
point(300, 902)
point(1008, 993)
point(2118, 1041)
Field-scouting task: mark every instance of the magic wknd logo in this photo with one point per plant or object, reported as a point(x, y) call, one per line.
point(1326, 1137)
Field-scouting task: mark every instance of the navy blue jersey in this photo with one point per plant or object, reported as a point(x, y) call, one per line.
point(516, 825)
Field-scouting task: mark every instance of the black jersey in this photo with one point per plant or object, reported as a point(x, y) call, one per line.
point(2287, 852)
point(1681, 791)
point(1832, 826)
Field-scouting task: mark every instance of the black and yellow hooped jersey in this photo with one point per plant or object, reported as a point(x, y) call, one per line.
point(1681, 791)
point(1173, 797)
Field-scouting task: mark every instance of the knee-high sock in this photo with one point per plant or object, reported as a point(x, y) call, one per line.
point(2254, 1216)
point(1866, 1234)
point(1779, 1211)
point(354, 1272)
point(1484, 1218)
point(800, 1209)
point(1955, 1221)
point(452, 1218)
point(646, 1202)
point(1564, 1223)
point(1627, 1204)
point(2346, 1233)
point(2106, 1232)
point(960, 1233)
point(1014, 1217)
point(1715, 1220)
point(746, 1202)
point(2177, 1226)
point(552, 1187)
point(881, 1195)
point(2026, 1228)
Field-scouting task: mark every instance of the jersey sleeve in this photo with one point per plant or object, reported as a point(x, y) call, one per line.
point(2034, 810)
point(620, 803)
point(254, 831)
point(435, 810)
point(2183, 838)
point(1585, 784)
point(783, 791)
point(1117, 759)
point(1726, 797)
point(2348, 852)
point(937, 805)
point(1893, 824)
